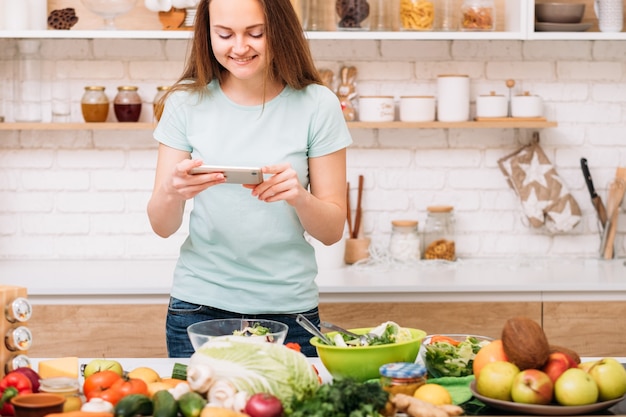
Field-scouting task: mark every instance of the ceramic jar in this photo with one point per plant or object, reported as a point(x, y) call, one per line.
point(492, 105)
point(453, 98)
point(376, 109)
point(417, 108)
point(526, 105)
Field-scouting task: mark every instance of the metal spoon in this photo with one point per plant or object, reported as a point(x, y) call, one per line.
point(311, 328)
point(363, 338)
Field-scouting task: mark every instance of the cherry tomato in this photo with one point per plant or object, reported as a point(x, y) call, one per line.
point(99, 385)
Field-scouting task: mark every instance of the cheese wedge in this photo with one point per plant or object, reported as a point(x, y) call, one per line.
point(64, 367)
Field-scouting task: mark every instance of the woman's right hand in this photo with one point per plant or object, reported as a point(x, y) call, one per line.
point(186, 185)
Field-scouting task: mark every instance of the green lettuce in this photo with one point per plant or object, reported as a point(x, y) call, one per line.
point(259, 367)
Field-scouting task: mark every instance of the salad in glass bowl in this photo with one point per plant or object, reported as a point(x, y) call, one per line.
point(451, 354)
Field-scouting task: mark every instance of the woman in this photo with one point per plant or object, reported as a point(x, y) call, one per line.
point(249, 96)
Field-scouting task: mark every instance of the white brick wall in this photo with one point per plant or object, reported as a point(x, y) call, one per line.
point(82, 194)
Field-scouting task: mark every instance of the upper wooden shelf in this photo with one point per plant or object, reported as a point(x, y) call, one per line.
point(483, 124)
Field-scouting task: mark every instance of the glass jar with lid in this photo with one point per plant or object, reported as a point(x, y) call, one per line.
point(439, 233)
point(417, 14)
point(353, 14)
point(94, 104)
point(404, 243)
point(157, 106)
point(127, 104)
point(402, 377)
point(478, 15)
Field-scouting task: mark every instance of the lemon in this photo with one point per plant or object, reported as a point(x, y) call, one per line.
point(434, 394)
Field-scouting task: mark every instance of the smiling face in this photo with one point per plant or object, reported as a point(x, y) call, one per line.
point(237, 30)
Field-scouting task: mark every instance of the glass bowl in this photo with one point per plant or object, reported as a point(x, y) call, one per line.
point(109, 10)
point(443, 356)
point(201, 332)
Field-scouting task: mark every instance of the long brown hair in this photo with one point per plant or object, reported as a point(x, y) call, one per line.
point(289, 57)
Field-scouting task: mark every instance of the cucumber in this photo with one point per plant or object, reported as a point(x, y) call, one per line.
point(190, 404)
point(179, 371)
point(164, 404)
point(133, 405)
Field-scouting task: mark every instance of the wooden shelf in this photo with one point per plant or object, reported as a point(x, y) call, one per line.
point(483, 124)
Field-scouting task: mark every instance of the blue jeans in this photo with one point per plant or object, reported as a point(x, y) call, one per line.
point(181, 314)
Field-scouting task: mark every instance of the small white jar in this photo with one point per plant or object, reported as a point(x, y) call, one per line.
point(491, 105)
point(376, 109)
point(526, 105)
point(417, 108)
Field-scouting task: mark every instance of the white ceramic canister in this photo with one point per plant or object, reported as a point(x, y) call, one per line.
point(526, 105)
point(376, 109)
point(417, 108)
point(610, 15)
point(491, 105)
point(453, 98)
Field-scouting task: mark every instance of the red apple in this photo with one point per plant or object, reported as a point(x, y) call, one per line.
point(532, 386)
point(558, 362)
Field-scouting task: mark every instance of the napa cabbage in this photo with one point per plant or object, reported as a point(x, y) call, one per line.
point(259, 367)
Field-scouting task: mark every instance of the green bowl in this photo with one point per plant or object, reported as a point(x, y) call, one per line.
point(362, 363)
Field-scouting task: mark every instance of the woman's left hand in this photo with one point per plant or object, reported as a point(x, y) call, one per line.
point(282, 185)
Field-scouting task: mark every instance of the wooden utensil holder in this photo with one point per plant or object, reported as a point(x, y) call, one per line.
point(9, 294)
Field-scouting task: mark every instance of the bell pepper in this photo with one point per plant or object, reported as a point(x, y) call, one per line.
point(13, 384)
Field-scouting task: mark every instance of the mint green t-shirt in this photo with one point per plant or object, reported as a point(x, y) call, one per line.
point(242, 254)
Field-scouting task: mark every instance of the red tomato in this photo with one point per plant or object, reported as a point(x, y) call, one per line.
point(99, 385)
point(126, 386)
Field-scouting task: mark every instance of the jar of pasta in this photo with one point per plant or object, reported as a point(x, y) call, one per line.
point(417, 14)
point(477, 15)
point(439, 232)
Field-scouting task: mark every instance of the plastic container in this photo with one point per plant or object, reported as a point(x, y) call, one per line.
point(439, 233)
point(417, 14)
point(404, 243)
point(478, 15)
point(94, 104)
point(402, 377)
point(127, 104)
point(27, 83)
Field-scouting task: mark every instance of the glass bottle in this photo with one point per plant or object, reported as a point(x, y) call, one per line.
point(127, 104)
point(439, 233)
point(478, 15)
point(383, 17)
point(27, 84)
point(404, 243)
point(157, 106)
point(417, 14)
point(94, 104)
point(353, 14)
point(446, 15)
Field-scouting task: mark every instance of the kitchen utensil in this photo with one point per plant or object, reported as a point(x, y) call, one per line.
point(357, 218)
point(616, 194)
point(311, 328)
point(595, 198)
point(363, 338)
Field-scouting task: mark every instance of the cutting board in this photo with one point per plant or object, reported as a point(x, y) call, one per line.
point(510, 119)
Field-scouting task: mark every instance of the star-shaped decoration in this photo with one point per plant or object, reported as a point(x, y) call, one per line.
point(564, 220)
point(533, 207)
point(535, 171)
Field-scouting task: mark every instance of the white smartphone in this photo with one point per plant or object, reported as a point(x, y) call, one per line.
point(234, 175)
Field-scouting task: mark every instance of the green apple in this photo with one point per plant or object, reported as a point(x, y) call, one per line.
point(610, 376)
point(575, 387)
point(532, 386)
point(496, 379)
point(97, 365)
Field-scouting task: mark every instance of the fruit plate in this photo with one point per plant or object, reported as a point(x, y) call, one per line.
point(543, 410)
